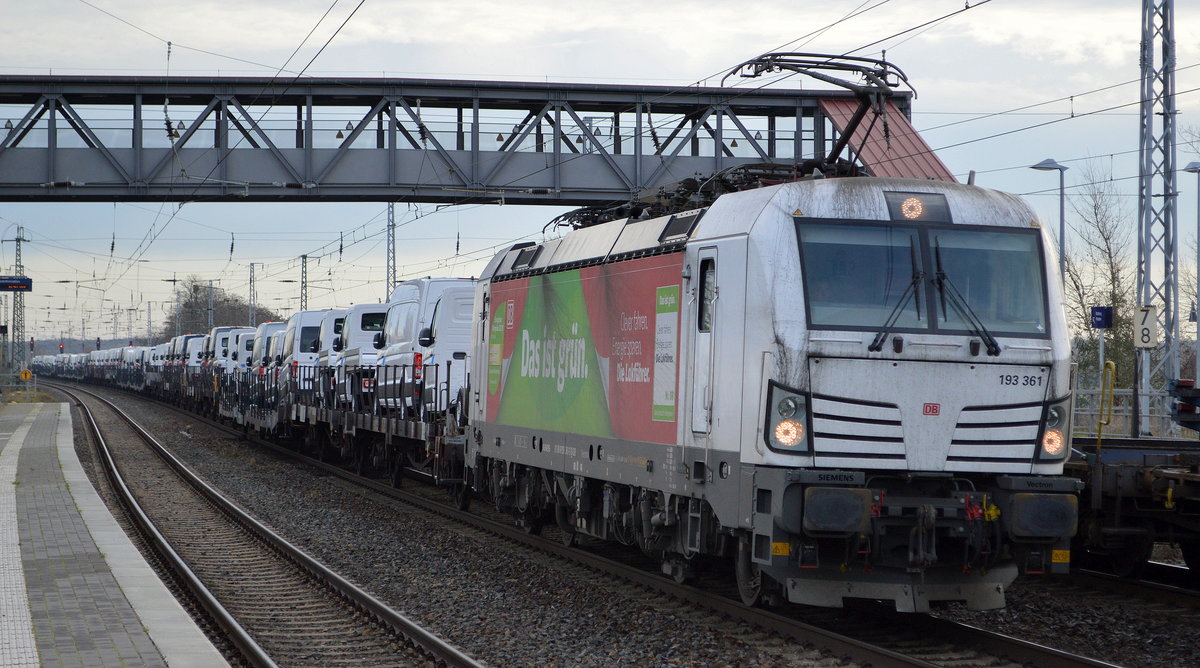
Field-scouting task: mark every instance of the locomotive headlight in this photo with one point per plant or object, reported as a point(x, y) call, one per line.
point(786, 425)
point(1055, 441)
point(787, 407)
point(1056, 416)
point(789, 433)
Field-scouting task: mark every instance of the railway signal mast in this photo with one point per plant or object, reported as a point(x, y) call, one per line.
point(1157, 200)
point(18, 314)
point(391, 250)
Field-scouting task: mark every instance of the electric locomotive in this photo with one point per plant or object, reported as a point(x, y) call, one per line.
point(845, 388)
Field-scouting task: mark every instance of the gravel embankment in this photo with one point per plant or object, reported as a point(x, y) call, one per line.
point(495, 601)
point(507, 607)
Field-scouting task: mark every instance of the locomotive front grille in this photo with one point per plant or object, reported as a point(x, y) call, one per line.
point(996, 434)
point(850, 429)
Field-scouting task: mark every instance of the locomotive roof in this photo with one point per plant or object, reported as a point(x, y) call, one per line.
point(860, 198)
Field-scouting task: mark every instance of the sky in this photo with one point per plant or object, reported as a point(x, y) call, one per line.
point(1000, 86)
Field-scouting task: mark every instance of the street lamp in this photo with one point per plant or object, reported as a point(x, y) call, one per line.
point(1194, 168)
point(1048, 165)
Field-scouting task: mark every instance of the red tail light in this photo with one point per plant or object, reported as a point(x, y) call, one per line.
point(418, 359)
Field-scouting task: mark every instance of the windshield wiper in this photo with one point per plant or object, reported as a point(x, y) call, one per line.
point(909, 292)
point(947, 289)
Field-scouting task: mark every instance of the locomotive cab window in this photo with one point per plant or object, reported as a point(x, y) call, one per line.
point(861, 275)
point(998, 274)
point(708, 295)
point(856, 275)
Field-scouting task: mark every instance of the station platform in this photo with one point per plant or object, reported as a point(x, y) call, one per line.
point(74, 591)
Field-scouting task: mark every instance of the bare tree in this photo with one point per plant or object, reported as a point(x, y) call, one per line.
point(191, 309)
point(1189, 302)
point(1101, 271)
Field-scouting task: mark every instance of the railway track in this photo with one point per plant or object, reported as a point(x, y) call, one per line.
point(1160, 584)
point(276, 604)
point(870, 635)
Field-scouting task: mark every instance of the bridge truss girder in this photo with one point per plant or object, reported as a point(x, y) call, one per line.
point(261, 139)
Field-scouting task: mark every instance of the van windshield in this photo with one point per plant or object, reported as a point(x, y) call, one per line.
point(401, 321)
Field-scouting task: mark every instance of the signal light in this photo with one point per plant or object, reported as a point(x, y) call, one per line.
point(31, 343)
point(61, 348)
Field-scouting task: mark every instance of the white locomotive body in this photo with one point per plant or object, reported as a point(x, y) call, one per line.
point(852, 388)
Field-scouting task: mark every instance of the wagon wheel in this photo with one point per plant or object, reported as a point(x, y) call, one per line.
point(529, 520)
point(360, 455)
point(749, 575)
point(1130, 560)
point(419, 463)
point(460, 493)
point(565, 517)
point(395, 471)
point(378, 459)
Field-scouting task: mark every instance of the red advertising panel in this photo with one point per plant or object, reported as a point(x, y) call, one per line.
point(590, 351)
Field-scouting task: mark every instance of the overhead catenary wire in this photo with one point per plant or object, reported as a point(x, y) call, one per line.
point(160, 231)
point(153, 233)
point(298, 75)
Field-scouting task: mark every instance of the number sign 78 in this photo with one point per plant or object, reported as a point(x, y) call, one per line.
point(1145, 329)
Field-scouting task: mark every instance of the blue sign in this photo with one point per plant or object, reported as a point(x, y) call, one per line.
point(15, 284)
point(1101, 317)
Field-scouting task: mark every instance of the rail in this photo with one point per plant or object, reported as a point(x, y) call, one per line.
point(438, 650)
point(236, 633)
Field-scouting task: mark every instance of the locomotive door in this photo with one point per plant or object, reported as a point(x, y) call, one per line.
point(705, 304)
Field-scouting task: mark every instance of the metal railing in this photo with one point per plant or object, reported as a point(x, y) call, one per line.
point(1158, 420)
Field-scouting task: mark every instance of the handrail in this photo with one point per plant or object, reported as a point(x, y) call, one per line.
point(1108, 379)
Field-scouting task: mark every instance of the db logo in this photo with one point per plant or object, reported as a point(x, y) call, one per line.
point(931, 409)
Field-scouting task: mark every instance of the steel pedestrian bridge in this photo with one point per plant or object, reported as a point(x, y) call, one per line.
point(103, 138)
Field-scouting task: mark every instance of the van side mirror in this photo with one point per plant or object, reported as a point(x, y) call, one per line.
point(425, 338)
point(279, 359)
point(234, 355)
point(337, 345)
point(378, 340)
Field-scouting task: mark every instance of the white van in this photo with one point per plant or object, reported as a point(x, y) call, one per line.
point(193, 358)
point(416, 358)
point(356, 353)
point(327, 335)
point(242, 352)
point(297, 356)
point(226, 352)
point(259, 353)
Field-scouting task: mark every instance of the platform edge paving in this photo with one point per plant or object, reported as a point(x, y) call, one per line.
point(18, 648)
point(170, 627)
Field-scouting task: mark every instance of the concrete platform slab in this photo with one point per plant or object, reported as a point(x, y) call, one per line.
point(74, 591)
